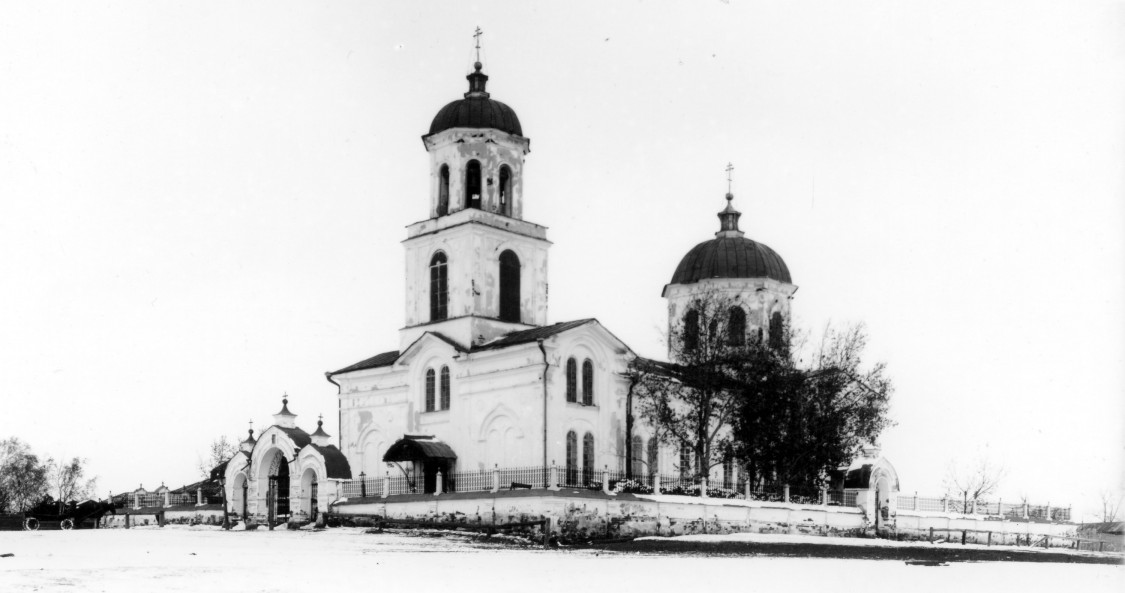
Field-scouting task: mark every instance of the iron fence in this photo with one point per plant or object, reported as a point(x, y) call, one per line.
point(470, 481)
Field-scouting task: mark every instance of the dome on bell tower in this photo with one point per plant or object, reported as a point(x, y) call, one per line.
point(477, 110)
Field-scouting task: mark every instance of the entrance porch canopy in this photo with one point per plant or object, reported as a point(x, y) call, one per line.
point(414, 447)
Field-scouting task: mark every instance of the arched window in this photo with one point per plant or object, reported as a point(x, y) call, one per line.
point(685, 458)
point(429, 390)
point(653, 455)
point(777, 331)
point(571, 380)
point(509, 286)
point(571, 458)
point(691, 330)
point(588, 458)
point(439, 287)
point(443, 192)
point(445, 388)
point(472, 185)
point(588, 383)
point(505, 190)
point(736, 327)
point(638, 456)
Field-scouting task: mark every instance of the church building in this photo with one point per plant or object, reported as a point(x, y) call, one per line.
point(481, 377)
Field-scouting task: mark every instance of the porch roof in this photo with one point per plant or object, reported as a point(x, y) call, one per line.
point(418, 448)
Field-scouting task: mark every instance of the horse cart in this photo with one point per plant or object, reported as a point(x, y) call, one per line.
point(51, 515)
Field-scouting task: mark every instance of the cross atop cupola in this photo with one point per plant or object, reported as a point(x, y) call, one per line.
point(728, 218)
point(321, 438)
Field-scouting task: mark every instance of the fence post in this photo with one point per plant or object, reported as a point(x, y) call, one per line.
point(554, 485)
point(495, 478)
point(703, 490)
point(931, 535)
point(915, 500)
point(989, 539)
point(386, 484)
point(362, 485)
point(1025, 505)
point(962, 537)
point(605, 480)
point(199, 496)
point(748, 490)
point(945, 504)
point(656, 483)
point(1048, 510)
point(167, 500)
point(1068, 510)
point(438, 484)
point(785, 493)
point(824, 497)
point(136, 500)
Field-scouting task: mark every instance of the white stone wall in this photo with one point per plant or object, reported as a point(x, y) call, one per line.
point(492, 148)
point(496, 403)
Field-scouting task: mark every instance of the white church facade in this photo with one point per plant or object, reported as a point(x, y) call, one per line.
point(481, 378)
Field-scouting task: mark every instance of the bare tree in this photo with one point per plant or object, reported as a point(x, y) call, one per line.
point(68, 481)
point(973, 481)
point(220, 451)
point(1111, 504)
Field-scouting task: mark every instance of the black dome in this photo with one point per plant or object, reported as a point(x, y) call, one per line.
point(477, 110)
point(730, 257)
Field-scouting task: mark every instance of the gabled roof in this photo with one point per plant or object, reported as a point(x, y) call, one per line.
point(531, 335)
point(516, 338)
point(417, 345)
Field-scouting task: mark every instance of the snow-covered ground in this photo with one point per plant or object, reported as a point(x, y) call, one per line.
point(206, 559)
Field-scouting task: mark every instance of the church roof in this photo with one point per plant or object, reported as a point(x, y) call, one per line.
point(512, 339)
point(385, 359)
point(299, 437)
point(418, 448)
point(532, 335)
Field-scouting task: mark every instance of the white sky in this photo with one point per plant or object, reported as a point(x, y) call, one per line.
point(201, 204)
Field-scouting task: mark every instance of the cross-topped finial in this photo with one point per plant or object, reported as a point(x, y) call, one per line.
point(251, 424)
point(730, 168)
point(476, 35)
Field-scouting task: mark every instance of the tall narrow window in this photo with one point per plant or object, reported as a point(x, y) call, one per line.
point(472, 185)
point(429, 390)
point(653, 455)
point(443, 192)
point(505, 190)
point(588, 458)
point(777, 331)
point(638, 456)
point(509, 287)
point(728, 468)
point(691, 330)
point(736, 327)
point(588, 382)
point(685, 458)
point(439, 287)
point(445, 388)
point(571, 458)
point(571, 380)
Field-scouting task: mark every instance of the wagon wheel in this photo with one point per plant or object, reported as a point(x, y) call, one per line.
point(67, 524)
point(30, 524)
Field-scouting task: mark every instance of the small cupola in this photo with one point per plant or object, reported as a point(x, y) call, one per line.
point(285, 418)
point(321, 438)
point(247, 445)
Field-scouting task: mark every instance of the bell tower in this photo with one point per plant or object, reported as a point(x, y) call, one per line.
point(475, 269)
